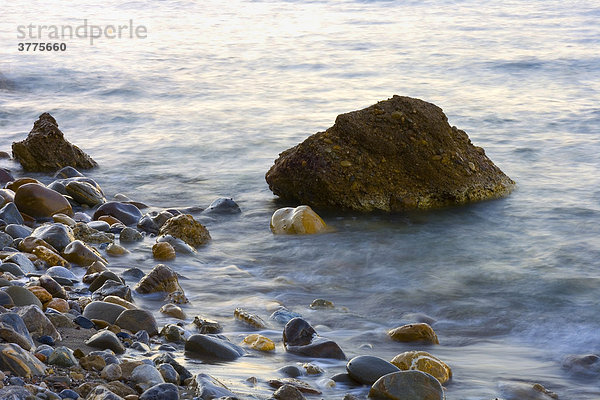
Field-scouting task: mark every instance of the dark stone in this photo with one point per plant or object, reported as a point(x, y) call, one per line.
point(67, 172)
point(208, 388)
point(63, 357)
point(113, 288)
point(20, 362)
point(291, 371)
point(137, 320)
point(162, 391)
point(392, 156)
point(298, 332)
point(22, 261)
point(69, 394)
point(367, 369)
point(5, 300)
point(319, 348)
point(62, 275)
point(298, 384)
point(14, 330)
point(85, 193)
point(142, 336)
point(12, 268)
point(53, 287)
point(346, 379)
point(407, 385)
point(288, 392)
point(106, 340)
point(103, 277)
point(46, 149)
point(213, 348)
point(223, 205)
point(15, 393)
point(128, 214)
point(38, 201)
point(46, 340)
point(168, 359)
point(134, 273)
point(10, 214)
point(108, 312)
point(5, 176)
point(205, 325)
point(57, 235)
point(130, 235)
point(586, 364)
point(17, 231)
point(5, 240)
point(101, 226)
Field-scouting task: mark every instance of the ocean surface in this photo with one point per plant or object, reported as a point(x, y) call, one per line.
point(202, 106)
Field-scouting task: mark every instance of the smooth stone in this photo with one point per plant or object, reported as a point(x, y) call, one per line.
point(56, 234)
point(37, 322)
point(137, 320)
point(168, 373)
point(17, 183)
point(163, 251)
point(205, 325)
point(168, 359)
point(586, 364)
point(53, 287)
point(69, 394)
point(17, 231)
point(161, 279)
point(208, 387)
point(114, 289)
point(82, 217)
point(367, 369)
point(128, 235)
point(298, 332)
point(173, 311)
point(108, 312)
point(49, 257)
point(22, 261)
point(14, 330)
point(10, 214)
point(259, 342)
point(64, 219)
point(5, 240)
point(298, 384)
point(85, 193)
point(59, 187)
point(420, 332)
point(63, 357)
point(83, 322)
point(133, 274)
point(5, 300)
point(213, 347)
point(525, 391)
point(41, 293)
point(288, 392)
point(319, 348)
point(290, 371)
point(111, 372)
point(79, 253)
point(425, 362)
point(67, 172)
point(162, 391)
point(60, 305)
point(92, 363)
point(283, 315)
point(116, 250)
point(38, 201)
point(119, 300)
point(103, 277)
point(106, 340)
point(22, 296)
point(87, 234)
point(223, 205)
point(301, 220)
point(46, 340)
point(178, 245)
point(5, 176)
point(407, 385)
point(344, 378)
point(61, 275)
point(186, 228)
point(46, 149)
point(173, 333)
point(108, 356)
point(12, 268)
point(145, 376)
point(128, 214)
point(6, 196)
point(20, 362)
point(28, 244)
point(102, 393)
point(101, 226)
point(12, 392)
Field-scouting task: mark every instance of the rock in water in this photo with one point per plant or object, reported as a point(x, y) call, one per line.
point(38, 201)
point(407, 385)
point(46, 149)
point(186, 228)
point(299, 220)
point(425, 362)
point(395, 155)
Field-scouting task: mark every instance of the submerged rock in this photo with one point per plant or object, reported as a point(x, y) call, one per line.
point(407, 385)
point(425, 362)
point(395, 155)
point(259, 342)
point(208, 387)
point(223, 205)
point(46, 149)
point(160, 279)
point(421, 332)
point(299, 220)
point(525, 391)
point(163, 251)
point(252, 320)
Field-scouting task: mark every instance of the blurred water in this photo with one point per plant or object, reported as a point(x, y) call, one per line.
point(204, 104)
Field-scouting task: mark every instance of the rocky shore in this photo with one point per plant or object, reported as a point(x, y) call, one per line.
point(71, 328)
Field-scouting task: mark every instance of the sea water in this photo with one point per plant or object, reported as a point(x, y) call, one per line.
point(201, 106)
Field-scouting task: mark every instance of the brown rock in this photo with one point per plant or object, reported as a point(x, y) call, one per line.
point(395, 155)
point(29, 243)
point(60, 305)
point(79, 253)
point(53, 287)
point(172, 310)
point(163, 251)
point(160, 279)
point(38, 201)
point(186, 228)
point(6, 196)
point(45, 149)
point(92, 363)
point(414, 333)
point(41, 293)
point(425, 362)
point(17, 183)
point(109, 219)
point(49, 257)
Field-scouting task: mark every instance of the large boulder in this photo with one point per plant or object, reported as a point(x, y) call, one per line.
point(395, 155)
point(46, 149)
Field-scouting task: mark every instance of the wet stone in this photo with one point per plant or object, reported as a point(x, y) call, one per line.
point(17, 231)
point(62, 275)
point(37, 322)
point(137, 320)
point(163, 391)
point(22, 296)
point(186, 228)
point(67, 172)
point(319, 348)
point(114, 289)
point(213, 347)
point(586, 364)
point(250, 319)
point(12, 268)
point(108, 312)
point(56, 234)
point(177, 244)
point(128, 235)
point(407, 385)
point(14, 330)
point(106, 340)
point(87, 234)
point(420, 332)
point(290, 371)
point(102, 278)
point(5, 300)
point(5, 240)
point(128, 214)
point(85, 193)
point(367, 369)
point(298, 332)
point(205, 325)
point(53, 287)
point(283, 315)
point(168, 359)
point(207, 387)
point(223, 205)
point(22, 261)
point(38, 201)
point(173, 311)
point(160, 279)
point(425, 362)
point(79, 253)
point(298, 384)
point(101, 226)
point(10, 214)
point(168, 373)
point(163, 251)
point(145, 376)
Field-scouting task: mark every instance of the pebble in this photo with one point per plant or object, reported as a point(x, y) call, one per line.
point(22, 261)
point(5, 300)
point(83, 322)
point(12, 268)
point(587, 364)
point(208, 387)
point(298, 384)
point(64, 219)
point(319, 304)
point(168, 359)
point(259, 342)
point(163, 251)
point(425, 362)
point(10, 215)
point(130, 235)
point(41, 293)
point(178, 245)
point(106, 340)
point(283, 315)
point(14, 330)
point(17, 231)
point(101, 278)
point(136, 320)
point(92, 363)
point(37, 323)
point(55, 234)
point(298, 332)
point(420, 332)
point(250, 319)
point(85, 193)
point(205, 325)
point(299, 220)
point(67, 172)
point(62, 357)
point(19, 362)
point(186, 228)
point(288, 392)
point(162, 391)
point(160, 279)
point(108, 312)
point(52, 286)
point(62, 275)
point(22, 296)
point(101, 226)
point(81, 254)
point(407, 385)
point(212, 347)
point(116, 250)
point(173, 311)
point(367, 369)
point(145, 376)
point(69, 394)
point(111, 372)
point(5, 240)
point(223, 205)
point(168, 373)
point(291, 371)
point(126, 213)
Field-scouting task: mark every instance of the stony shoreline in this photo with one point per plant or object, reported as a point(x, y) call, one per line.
point(80, 335)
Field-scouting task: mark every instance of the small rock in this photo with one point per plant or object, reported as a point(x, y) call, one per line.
point(10, 214)
point(414, 333)
point(53, 287)
point(108, 312)
point(81, 254)
point(85, 193)
point(20, 362)
point(212, 347)
point(57, 235)
point(250, 319)
point(168, 359)
point(137, 320)
point(17, 231)
point(178, 245)
point(106, 340)
point(83, 322)
point(37, 323)
point(14, 330)
point(38, 201)
point(111, 372)
point(291, 371)
point(87, 234)
point(128, 214)
point(319, 348)
point(283, 315)
point(145, 376)
point(116, 250)
point(526, 391)
point(186, 228)
point(367, 369)
point(173, 311)
point(92, 363)
point(407, 385)
point(298, 332)
point(296, 383)
point(319, 304)
point(259, 342)
point(119, 300)
point(22, 296)
point(163, 251)
point(160, 279)
point(207, 387)
point(587, 364)
point(67, 172)
point(49, 257)
point(223, 205)
point(168, 373)
point(12, 268)
point(102, 277)
point(63, 357)
point(425, 362)
point(288, 392)
point(205, 325)
point(41, 293)
point(299, 220)
point(312, 369)
point(162, 391)
point(62, 275)
point(130, 235)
